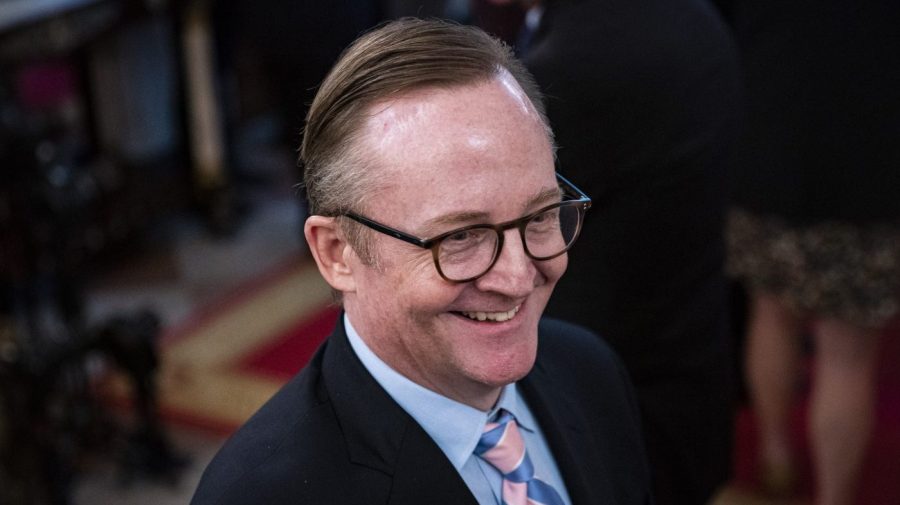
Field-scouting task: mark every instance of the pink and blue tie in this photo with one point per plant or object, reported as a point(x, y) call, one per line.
point(502, 446)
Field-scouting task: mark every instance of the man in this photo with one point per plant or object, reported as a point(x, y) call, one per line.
point(643, 99)
point(440, 383)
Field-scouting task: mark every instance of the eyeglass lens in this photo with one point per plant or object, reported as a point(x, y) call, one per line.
point(470, 253)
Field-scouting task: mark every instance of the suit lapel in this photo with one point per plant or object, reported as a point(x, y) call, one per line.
point(425, 475)
point(382, 436)
point(565, 427)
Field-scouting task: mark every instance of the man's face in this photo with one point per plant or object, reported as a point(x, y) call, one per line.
point(446, 159)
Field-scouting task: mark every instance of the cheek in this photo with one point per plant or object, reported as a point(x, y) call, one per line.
point(553, 269)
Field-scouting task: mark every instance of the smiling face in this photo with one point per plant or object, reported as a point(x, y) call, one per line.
point(446, 159)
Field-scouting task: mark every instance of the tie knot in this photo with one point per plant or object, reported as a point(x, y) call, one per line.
point(494, 431)
point(501, 445)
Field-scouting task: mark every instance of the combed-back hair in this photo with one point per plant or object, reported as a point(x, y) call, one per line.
point(393, 59)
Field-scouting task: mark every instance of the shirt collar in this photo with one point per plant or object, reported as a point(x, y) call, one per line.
point(454, 426)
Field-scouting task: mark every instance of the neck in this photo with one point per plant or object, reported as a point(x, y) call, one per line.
point(463, 390)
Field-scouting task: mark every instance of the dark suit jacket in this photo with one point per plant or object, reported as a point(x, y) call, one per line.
point(333, 436)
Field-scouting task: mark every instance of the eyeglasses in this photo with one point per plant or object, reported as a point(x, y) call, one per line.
point(467, 253)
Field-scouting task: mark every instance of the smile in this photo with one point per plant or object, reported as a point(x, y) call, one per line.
point(492, 316)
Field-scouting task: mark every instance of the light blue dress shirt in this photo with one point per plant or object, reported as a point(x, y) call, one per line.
point(456, 427)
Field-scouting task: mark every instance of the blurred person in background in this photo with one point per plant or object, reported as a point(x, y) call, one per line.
point(815, 233)
point(282, 49)
point(644, 100)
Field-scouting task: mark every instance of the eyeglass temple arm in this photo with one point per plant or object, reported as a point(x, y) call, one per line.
point(424, 244)
point(568, 184)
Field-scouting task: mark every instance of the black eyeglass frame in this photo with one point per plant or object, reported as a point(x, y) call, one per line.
point(582, 202)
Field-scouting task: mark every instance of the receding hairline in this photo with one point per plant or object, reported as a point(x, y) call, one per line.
point(369, 129)
point(421, 50)
point(365, 105)
point(396, 59)
point(499, 74)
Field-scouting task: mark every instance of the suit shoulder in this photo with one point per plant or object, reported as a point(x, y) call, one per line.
point(574, 341)
point(259, 442)
point(292, 450)
point(579, 358)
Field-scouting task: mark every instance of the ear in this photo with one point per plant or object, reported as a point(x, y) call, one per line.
point(331, 251)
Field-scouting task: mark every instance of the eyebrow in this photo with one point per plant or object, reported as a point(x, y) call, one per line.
point(461, 218)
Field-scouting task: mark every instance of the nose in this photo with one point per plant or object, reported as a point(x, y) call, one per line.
point(514, 273)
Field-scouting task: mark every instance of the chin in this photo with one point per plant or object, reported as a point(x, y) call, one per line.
point(509, 368)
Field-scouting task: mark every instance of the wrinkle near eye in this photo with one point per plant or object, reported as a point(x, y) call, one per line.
point(419, 262)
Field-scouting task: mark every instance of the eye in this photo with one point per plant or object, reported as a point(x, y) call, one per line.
point(460, 236)
point(544, 219)
point(464, 239)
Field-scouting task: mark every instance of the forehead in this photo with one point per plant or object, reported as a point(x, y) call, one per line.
point(461, 146)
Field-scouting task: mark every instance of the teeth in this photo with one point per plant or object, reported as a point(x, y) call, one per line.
point(492, 316)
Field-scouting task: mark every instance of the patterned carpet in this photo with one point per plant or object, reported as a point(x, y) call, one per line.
point(224, 362)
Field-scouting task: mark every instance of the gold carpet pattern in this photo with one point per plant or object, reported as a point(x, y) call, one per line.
point(199, 381)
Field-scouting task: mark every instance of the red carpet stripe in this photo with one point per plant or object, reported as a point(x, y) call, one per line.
point(286, 354)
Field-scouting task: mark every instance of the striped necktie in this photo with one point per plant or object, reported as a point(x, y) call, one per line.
point(502, 446)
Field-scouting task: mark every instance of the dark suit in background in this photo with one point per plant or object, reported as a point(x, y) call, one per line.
point(333, 436)
point(290, 45)
point(643, 97)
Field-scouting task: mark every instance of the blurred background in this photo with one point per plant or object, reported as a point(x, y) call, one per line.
point(154, 283)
